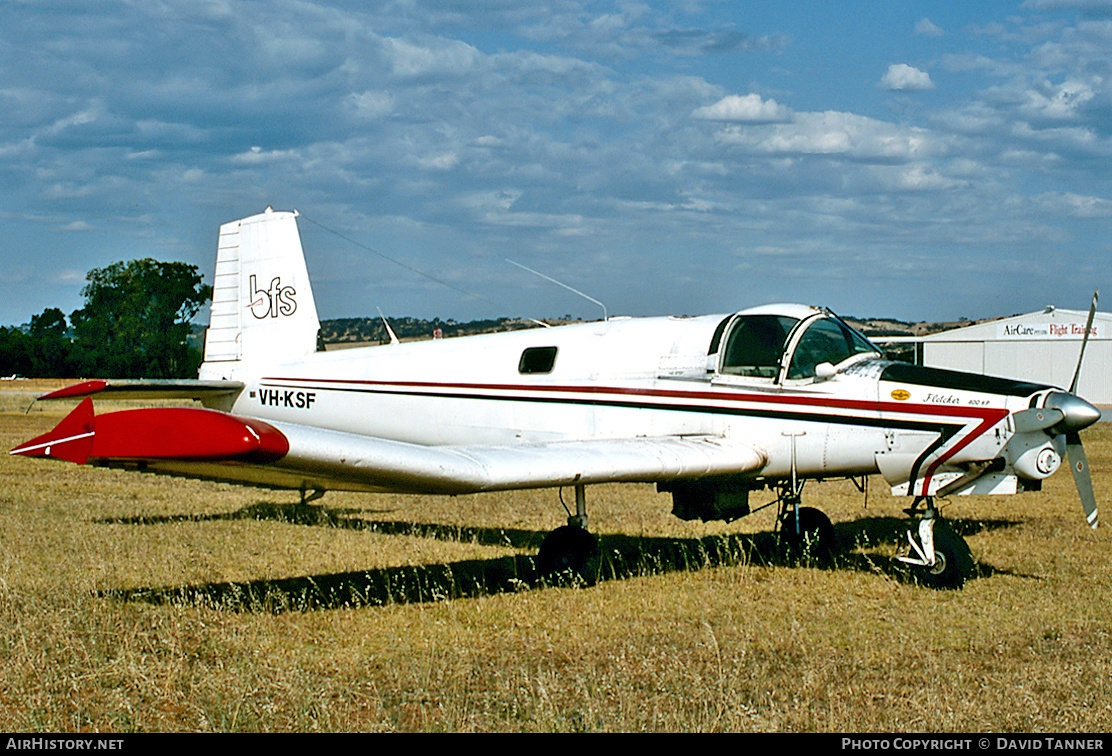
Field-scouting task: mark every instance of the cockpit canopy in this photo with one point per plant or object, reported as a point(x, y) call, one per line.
point(756, 344)
point(786, 342)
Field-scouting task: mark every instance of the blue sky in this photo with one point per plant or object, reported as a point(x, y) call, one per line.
point(918, 160)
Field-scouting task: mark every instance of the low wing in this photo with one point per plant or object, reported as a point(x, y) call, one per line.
point(217, 446)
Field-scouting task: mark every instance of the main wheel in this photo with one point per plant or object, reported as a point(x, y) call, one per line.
point(569, 552)
point(813, 541)
point(953, 561)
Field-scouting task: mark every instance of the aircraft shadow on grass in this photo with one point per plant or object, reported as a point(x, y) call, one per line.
point(621, 557)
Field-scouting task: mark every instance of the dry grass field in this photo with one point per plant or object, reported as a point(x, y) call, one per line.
point(136, 603)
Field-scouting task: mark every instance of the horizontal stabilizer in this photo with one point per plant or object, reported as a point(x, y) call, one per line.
point(148, 389)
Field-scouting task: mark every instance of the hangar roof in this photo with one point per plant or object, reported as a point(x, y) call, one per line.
point(1051, 324)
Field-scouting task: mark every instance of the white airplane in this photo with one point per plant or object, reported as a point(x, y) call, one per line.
point(709, 408)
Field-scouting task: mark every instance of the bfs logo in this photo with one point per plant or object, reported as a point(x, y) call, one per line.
point(272, 302)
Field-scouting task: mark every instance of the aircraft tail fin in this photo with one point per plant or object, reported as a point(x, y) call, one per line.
point(262, 305)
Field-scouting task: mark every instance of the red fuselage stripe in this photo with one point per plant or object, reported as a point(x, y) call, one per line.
point(985, 417)
point(727, 394)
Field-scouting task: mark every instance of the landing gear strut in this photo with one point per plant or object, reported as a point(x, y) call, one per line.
point(570, 551)
point(307, 496)
point(939, 556)
point(806, 534)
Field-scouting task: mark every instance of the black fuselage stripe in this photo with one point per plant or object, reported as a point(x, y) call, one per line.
point(945, 434)
point(933, 425)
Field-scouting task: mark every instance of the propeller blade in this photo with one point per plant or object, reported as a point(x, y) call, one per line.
point(1029, 420)
point(1084, 342)
point(1079, 464)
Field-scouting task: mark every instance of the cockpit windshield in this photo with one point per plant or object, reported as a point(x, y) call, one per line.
point(826, 340)
point(756, 344)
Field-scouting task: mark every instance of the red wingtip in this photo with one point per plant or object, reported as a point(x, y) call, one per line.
point(180, 433)
point(71, 439)
point(78, 389)
point(186, 433)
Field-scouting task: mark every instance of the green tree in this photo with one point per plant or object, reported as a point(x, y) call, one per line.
point(49, 345)
point(136, 320)
point(15, 352)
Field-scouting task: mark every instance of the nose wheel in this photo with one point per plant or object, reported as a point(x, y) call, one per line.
point(939, 557)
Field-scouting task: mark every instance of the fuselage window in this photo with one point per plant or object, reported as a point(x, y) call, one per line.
point(536, 360)
point(716, 340)
point(756, 344)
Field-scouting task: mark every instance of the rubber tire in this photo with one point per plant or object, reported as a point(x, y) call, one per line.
point(569, 552)
point(953, 560)
point(815, 543)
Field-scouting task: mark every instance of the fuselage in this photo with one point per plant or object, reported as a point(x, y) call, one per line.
point(657, 377)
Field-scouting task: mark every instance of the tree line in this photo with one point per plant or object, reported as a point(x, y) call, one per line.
point(373, 330)
point(135, 323)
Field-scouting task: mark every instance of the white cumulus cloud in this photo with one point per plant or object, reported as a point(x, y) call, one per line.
point(924, 27)
point(901, 76)
point(1075, 205)
point(836, 133)
point(750, 108)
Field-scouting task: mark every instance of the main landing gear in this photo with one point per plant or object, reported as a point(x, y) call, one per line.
point(805, 533)
point(939, 556)
point(570, 551)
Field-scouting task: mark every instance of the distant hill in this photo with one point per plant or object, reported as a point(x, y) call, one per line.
point(877, 327)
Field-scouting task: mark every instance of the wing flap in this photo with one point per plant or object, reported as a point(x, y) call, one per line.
point(399, 466)
point(636, 460)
